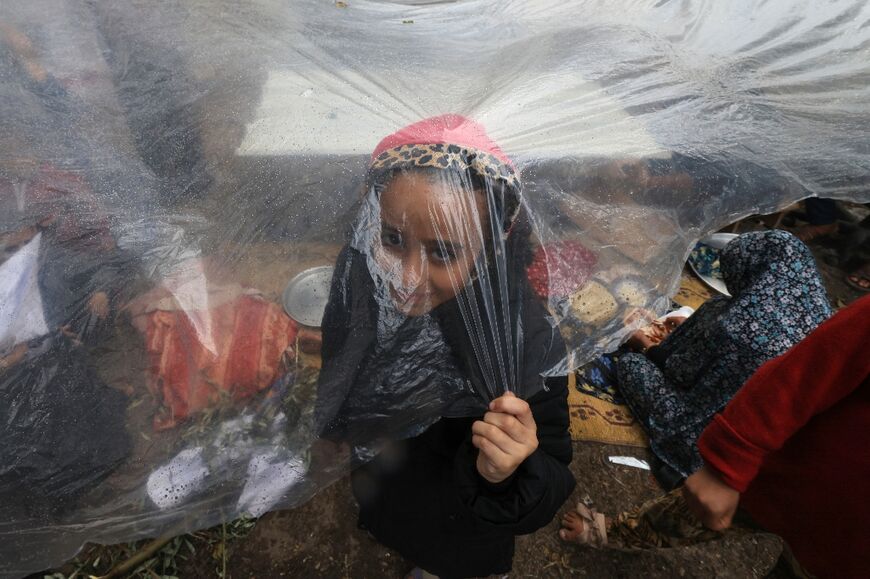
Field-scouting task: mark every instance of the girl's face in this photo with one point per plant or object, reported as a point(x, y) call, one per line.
point(431, 234)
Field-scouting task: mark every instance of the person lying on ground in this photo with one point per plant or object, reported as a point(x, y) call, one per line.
point(675, 387)
point(788, 451)
point(421, 345)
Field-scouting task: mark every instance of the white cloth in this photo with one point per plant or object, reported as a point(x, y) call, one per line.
point(272, 469)
point(21, 314)
point(173, 483)
point(271, 473)
point(683, 312)
point(629, 461)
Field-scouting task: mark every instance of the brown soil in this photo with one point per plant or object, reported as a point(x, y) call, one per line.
point(320, 538)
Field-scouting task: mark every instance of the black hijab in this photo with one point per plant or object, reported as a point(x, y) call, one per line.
point(387, 375)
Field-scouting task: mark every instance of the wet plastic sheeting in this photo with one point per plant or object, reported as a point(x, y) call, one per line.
point(165, 172)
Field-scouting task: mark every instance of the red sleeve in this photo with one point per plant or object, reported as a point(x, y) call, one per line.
point(785, 393)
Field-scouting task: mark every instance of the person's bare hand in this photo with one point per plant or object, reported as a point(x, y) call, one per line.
point(99, 305)
point(16, 40)
point(13, 357)
point(505, 437)
point(23, 49)
point(67, 331)
point(710, 499)
point(640, 316)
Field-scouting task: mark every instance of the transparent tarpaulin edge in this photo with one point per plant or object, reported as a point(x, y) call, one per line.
point(165, 174)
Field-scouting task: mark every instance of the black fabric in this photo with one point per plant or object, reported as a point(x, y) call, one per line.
point(668, 477)
point(657, 356)
point(175, 156)
point(422, 494)
point(424, 498)
point(353, 403)
point(542, 346)
point(421, 383)
point(62, 428)
point(69, 275)
point(350, 337)
point(821, 211)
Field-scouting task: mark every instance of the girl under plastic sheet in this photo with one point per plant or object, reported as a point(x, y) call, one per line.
point(778, 298)
point(430, 314)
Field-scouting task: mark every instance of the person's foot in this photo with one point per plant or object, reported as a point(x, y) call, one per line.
point(807, 233)
point(860, 278)
point(572, 527)
point(584, 526)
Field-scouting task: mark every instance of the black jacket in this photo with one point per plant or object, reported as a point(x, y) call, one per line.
point(423, 496)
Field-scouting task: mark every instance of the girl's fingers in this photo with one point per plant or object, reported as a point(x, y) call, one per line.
point(498, 438)
point(493, 454)
point(510, 425)
point(510, 404)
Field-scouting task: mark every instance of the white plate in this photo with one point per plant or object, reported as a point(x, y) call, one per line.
point(306, 295)
point(716, 241)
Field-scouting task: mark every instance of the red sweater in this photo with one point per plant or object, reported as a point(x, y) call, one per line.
point(795, 441)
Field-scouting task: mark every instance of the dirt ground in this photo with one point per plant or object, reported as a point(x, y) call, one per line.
point(320, 538)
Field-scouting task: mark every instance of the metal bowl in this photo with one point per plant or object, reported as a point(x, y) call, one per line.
point(306, 295)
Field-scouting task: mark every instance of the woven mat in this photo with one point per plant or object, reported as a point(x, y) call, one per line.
point(597, 420)
point(693, 292)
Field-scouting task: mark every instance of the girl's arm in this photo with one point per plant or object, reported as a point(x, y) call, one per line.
point(530, 498)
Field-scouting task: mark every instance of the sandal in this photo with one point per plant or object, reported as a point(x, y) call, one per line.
point(594, 532)
point(859, 282)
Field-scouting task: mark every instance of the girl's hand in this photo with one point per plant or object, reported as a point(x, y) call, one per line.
point(15, 356)
point(505, 437)
point(712, 501)
point(654, 334)
point(99, 305)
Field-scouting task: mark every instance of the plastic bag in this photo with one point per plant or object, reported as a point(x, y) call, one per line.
point(181, 165)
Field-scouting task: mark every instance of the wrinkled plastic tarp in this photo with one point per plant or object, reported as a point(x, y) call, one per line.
point(165, 171)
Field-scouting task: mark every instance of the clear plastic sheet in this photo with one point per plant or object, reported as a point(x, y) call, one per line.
point(165, 172)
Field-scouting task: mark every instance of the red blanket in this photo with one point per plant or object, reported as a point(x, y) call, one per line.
point(198, 358)
point(560, 268)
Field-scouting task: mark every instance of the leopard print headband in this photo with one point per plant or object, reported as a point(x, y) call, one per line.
point(458, 158)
